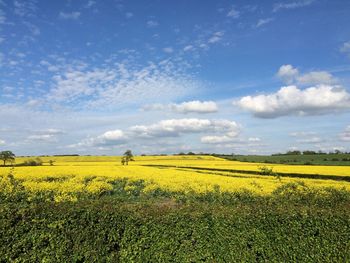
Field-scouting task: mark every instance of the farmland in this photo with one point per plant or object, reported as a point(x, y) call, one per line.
point(295, 159)
point(253, 211)
point(171, 173)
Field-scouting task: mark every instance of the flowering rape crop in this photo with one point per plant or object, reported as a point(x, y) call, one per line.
point(96, 174)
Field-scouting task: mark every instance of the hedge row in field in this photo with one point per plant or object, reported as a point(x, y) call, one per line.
point(106, 230)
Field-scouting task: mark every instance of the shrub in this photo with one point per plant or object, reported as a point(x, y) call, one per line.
point(33, 162)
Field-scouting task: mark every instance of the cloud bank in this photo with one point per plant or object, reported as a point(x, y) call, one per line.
point(165, 129)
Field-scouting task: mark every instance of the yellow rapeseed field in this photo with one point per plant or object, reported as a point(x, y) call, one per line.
point(95, 174)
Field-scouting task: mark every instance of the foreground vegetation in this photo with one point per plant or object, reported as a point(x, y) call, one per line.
point(95, 209)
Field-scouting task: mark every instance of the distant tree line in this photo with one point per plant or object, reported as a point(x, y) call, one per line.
point(309, 152)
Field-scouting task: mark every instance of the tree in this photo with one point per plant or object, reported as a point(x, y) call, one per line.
point(7, 156)
point(128, 156)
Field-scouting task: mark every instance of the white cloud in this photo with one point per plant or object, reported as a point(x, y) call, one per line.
point(51, 131)
point(226, 140)
point(345, 48)
point(25, 8)
point(302, 134)
point(345, 136)
point(310, 140)
point(233, 13)
point(120, 85)
point(168, 50)
point(129, 15)
point(2, 17)
point(254, 139)
point(291, 100)
point(316, 77)
point(216, 139)
point(188, 48)
point(90, 4)
point(32, 28)
point(216, 37)
point(115, 135)
point(176, 127)
point(45, 135)
point(291, 75)
point(152, 23)
point(2, 142)
point(292, 5)
point(195, 107)
point(72, 15)
point(161, 130)
point(42, 137)
point(262, 22)
point(288, 73)
point(185, 107)
point(109, 138)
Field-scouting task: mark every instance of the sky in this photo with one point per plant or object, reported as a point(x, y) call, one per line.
point(161, 77)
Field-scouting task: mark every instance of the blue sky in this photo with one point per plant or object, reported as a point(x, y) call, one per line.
point(99, 77)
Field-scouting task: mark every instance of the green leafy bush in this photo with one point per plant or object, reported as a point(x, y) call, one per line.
point(33, 162)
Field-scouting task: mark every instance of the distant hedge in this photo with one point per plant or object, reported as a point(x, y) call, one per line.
point(106, 230)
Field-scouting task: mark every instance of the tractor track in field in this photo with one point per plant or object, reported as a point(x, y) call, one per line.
point(293, 175)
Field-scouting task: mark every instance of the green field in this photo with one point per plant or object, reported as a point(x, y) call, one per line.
point(312, 159)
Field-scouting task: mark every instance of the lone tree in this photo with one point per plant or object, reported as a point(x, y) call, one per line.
point(7, 156)
point(127, 156)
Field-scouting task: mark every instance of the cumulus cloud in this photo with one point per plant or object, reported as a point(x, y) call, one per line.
point(216, 139)
point(345, 136)
point(45, 135)
point(176, 127)
point(291, 100)
point(109, 138)
point(195, 106)
point(115, 135)
point(164, 129)
point(72, 15)
point(292, 5)
point(291, 75)
point(316, 77)
point(287, 73)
